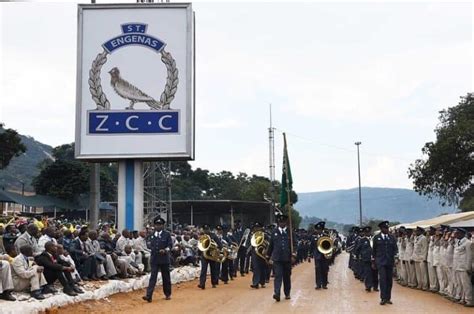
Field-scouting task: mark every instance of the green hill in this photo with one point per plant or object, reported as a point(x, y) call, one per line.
point(24, 168)
point(342, 206)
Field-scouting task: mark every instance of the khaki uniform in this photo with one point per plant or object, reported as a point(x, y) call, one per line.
point(402, 275)
point(6, 281)
point(452, 286)
point(432, 277)
point(410, 242)
point(420, 253)
point(462, 267)
point(25, 275)
point(437, 265)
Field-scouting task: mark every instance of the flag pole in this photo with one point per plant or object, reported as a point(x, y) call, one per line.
point(288, 194)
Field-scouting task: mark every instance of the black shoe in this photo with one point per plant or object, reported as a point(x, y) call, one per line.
point(225, 282)
point(388, 302)
point(70, 292)
point(168, 297)
point(148, 299)
point(214, 286)
point(37, 295)
point(78, 290)
point(317, 287)
point(263, 286)
point(367, 289)
point(48, 289)
point(383, 302)
point(325, 287)
point(376, 289)
point(85, 278)
point(276, 297)
point(254, 286)
point(7, 295)
point(287, 297)
point(242, 275)
point(202, 287)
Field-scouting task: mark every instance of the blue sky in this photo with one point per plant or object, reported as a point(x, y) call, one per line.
point(335, 73)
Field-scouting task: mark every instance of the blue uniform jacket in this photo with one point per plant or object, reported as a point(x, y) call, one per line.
point(384, 251)
point(279, 248)
point(160, 242)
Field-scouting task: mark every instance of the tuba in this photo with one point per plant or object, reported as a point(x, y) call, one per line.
point(209, 249)
point(260, 244)
point(325, 246)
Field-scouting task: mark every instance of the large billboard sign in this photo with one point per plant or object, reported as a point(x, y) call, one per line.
point(135, 82)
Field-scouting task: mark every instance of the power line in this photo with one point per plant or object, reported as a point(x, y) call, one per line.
point(317, 142)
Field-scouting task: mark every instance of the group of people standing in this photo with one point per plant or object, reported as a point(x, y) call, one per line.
point(372, 259)
point(439, 260)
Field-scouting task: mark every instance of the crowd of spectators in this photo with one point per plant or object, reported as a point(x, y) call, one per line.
point(37, 253)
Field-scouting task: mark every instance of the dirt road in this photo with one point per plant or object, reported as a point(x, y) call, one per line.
point(345, 295)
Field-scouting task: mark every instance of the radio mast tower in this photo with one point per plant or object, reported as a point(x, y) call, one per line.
point(271, 150)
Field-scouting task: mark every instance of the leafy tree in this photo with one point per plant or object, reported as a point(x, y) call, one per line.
point(68, 179)
point(63, 179)
point(448, 169)
point(10, 146)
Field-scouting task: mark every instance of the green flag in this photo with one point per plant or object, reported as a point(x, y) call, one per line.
point(286, 179)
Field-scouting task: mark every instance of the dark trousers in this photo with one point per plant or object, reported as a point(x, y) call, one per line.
point(63, 277)
point(214, 266)
point(87, 267)
point(321, 272)
point(231, 269)
point(165, 275)
point(239, 262)
point(368, 275)
point(385, 281)
point(282, 273)
point(225, 270)
point(375, 278)
point(259, 270)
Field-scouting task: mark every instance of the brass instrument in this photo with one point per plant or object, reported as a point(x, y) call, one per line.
point(260, 244)
point(209, 249)
point(325, 246)
point(244, 238)
point(233, 250)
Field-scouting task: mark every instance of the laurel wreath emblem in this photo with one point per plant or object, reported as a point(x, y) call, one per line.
point(167, 96)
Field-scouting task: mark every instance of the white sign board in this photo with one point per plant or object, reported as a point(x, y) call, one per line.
point(135, 82)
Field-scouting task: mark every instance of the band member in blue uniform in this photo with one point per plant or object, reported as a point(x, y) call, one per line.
point(280, 252)
point(239, 262)
point(363, 251)
point(215, 266)
point(224, 266)
point(160, 245)
point(259, 265)
point(320, 261)
point(228, 237)
point(383, 252)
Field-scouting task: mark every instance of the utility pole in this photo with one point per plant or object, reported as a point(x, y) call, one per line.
point(360, 192)
point(94, 197)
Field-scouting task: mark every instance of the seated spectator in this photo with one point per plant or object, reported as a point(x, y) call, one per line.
point(108, 246)
point(66, 259)
point(67, 239)
point(48, 236)
point(140, 246)
point(29, 238)
point(27, 275)
point(105, 265)
point(124, 240)
point(85, 263)
point(133, 267)
point(6, 282)
point(55, 269)
point(10, 235)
